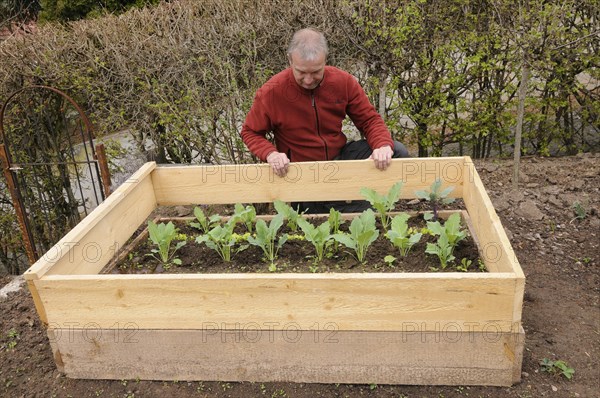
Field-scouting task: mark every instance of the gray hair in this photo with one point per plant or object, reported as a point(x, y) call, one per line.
point(309, 43)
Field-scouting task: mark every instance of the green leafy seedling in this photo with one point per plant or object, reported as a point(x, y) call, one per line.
point(335, 221)
point(579, 211)
point(400, 235)
point(464, 265)
point(222, 240)
point(204, 223)
point(383, 203)
point(266, 237)
point(442, 249)
point(436, 196)
point(557, 367)
point(162, 235)
point(389, 260)
point(246, 215)
point(362, 233)
point(451, 228)
point(288, 213)
point(318, 236)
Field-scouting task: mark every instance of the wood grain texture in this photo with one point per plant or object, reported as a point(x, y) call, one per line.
point(305, 181)
point(352, 301)
point(495, 248)
point(91, 244)
point(308, 356)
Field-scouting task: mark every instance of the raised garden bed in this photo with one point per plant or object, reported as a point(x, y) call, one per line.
point(398, 328)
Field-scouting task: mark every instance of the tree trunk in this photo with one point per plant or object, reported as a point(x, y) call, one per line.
point(382, 95)
point(520, 117)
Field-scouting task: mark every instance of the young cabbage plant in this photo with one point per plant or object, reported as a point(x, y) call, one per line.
point(335, 221)
point(362, 234)
point(162, 235)
point(442, 249)
point(436, 196)
point(222, 239)
point(204, 223)
point(383, 203)
point(318, 236)
point(266, 236)
point(246, 215)
point(400, 235)
point(451, 228)
point(288, 213)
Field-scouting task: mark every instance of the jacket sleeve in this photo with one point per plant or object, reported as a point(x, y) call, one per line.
point(365, 117)
point(255, 128)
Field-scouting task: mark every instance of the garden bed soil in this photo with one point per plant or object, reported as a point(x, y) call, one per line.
point(561, 316)
point(295, 256)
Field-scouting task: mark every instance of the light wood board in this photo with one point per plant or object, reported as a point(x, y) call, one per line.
point(90, 245)
point(305, 181)
point(478, 301)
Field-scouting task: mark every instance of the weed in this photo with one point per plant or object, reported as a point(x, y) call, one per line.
point(389, 260)
point(579, 211)
point(464, 265)
point(557, 367)
point(13, 336)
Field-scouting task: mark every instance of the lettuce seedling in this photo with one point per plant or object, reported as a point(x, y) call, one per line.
point(436, 196)
point(362, 234)
point(400, 235)
point(204, 223)
point(318, 236)
point(246, 215)
point(265, 237)
point(162, 235)
point(288, 213)
point(222, 240)
point(451, 228)
point(383, 203)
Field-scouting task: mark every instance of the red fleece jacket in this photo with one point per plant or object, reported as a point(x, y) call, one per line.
point(307, 124)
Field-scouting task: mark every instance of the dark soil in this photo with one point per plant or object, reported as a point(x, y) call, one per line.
point(295, 256)
point(559, 254)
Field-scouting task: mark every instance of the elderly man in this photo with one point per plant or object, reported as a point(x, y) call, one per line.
point(304, 106)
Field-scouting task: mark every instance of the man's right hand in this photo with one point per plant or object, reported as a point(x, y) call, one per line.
point(279, 163)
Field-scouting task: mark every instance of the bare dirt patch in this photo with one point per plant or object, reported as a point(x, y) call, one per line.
point(560, 256)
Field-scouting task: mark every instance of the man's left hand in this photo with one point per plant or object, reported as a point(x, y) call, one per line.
point(382, 157)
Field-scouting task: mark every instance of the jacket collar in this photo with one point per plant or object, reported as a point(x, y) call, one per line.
point(305, 90)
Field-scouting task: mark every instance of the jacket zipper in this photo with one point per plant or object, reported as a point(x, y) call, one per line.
point(312, 98)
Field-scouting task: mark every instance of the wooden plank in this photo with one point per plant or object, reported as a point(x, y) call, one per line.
point(39, 306)
point(91, 244)
point(305, 181)
point(321, 355)
point(496, 249)
point(392, 302)
point(495, 246)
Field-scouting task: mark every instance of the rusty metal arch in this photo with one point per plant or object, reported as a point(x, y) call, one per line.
point(10, 169)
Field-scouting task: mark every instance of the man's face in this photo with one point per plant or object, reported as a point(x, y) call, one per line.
point(308, 74)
